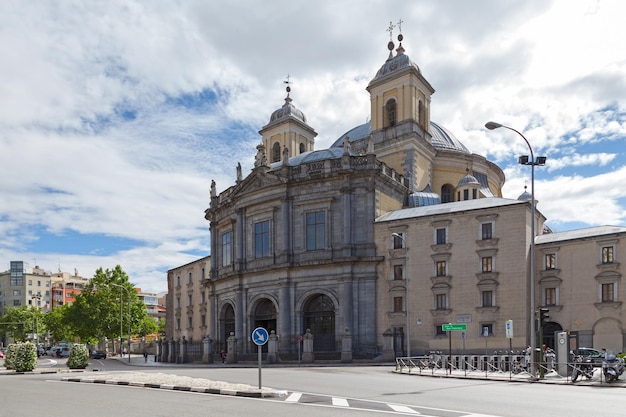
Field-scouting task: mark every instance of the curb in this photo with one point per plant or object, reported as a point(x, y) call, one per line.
point(202, 390)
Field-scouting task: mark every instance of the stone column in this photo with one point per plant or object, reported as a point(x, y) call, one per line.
point(183, 350)
point(172, 355)
point(307, 348)
point(388, 352)
point(207, 351)
point(272, 348)
point(346, 347)
point(231, 355)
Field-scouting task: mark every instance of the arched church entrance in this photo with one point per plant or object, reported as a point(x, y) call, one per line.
point(319, 316)
point(227, 325)
point(265, 316)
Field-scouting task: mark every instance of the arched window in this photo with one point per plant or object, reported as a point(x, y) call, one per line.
point(390, 112)
point(276, 152)
point(302, 148)
point(446, 194)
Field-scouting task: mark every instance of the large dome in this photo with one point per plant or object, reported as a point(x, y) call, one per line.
point(442, 138)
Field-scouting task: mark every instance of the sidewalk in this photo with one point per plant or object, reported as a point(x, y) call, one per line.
point(551, 377)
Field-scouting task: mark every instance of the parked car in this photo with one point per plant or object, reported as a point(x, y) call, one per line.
point(63, 353)
point(1, 355)
point(596, 356)
point(98, 354)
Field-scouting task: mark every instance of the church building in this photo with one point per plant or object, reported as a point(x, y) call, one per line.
point(391, 232)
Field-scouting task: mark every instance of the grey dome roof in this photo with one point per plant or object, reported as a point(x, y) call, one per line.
point(442, 138)
point(525, 196)
point(468, 180)
point(311, 156)
point(287, 110)
point(395, 64)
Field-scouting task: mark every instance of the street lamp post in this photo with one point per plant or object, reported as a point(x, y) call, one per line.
point(128, 294)
point(523, 160)
point(406, 296)
point(36, 298)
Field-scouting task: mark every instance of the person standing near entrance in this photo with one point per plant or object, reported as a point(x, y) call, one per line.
point(223, 355)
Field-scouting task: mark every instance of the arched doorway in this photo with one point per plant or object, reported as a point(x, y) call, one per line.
point(319, 316)
point(265, 315)
point(227, 326)
point(548, 330)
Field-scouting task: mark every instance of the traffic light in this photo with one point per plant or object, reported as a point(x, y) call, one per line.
point(543, 315)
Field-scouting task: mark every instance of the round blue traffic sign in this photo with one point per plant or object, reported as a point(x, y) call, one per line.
point(259, 336)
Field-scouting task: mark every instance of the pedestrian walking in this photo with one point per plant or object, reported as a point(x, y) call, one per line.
point(223, 354)
point(145, 355)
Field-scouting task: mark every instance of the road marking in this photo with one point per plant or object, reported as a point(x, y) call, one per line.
point(340, 402)
point(403, 409)
point(294, 397)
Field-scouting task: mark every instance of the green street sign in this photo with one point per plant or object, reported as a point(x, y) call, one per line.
point(453, 326)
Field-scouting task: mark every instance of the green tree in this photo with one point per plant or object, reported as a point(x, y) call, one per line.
point(102, 308)
point(22, 321)
point(56, 322)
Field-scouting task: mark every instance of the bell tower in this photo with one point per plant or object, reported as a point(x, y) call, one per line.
point(287, 134)
point(400, 115)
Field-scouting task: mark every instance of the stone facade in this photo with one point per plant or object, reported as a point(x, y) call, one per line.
point(318, 246)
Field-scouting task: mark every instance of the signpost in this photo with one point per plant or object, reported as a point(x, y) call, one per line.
point(259, 337)
point(451, 327)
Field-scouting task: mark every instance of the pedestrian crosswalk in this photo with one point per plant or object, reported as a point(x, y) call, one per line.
point(323, 400)
point(372, 406)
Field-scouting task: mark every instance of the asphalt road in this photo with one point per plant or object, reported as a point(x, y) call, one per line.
point(311, 391)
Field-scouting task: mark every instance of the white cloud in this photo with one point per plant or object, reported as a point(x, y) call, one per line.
point(127, 110)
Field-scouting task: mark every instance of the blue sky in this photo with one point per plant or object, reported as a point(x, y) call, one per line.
point(116, 115)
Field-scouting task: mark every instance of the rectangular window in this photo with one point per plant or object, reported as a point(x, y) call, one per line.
point(439, 330)
point(397, 304)
point(188, 299)
point(189, 322)
point(177, 324)
point(398, 272)
point(262, 239)
point(397, 240)
point(178, 281)
point(487, 264)
point(203, 320)
point(177, 302)
point(441, 236)
point(17, 272)
point(486, 231)
point(202, 297)
point(441, 301)
point(227, 249)
point(608, 293)
point(441, 268)
point(607, 255)
point(486, 329)
point(315, 230)
point(16, 303)
point(550, 296)
point(551, 261)
point(486, 298)
point(190, 279)
point(17, 293)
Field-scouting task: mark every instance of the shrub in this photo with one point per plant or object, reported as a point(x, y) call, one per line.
point(22, 357)
point(79, 357)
